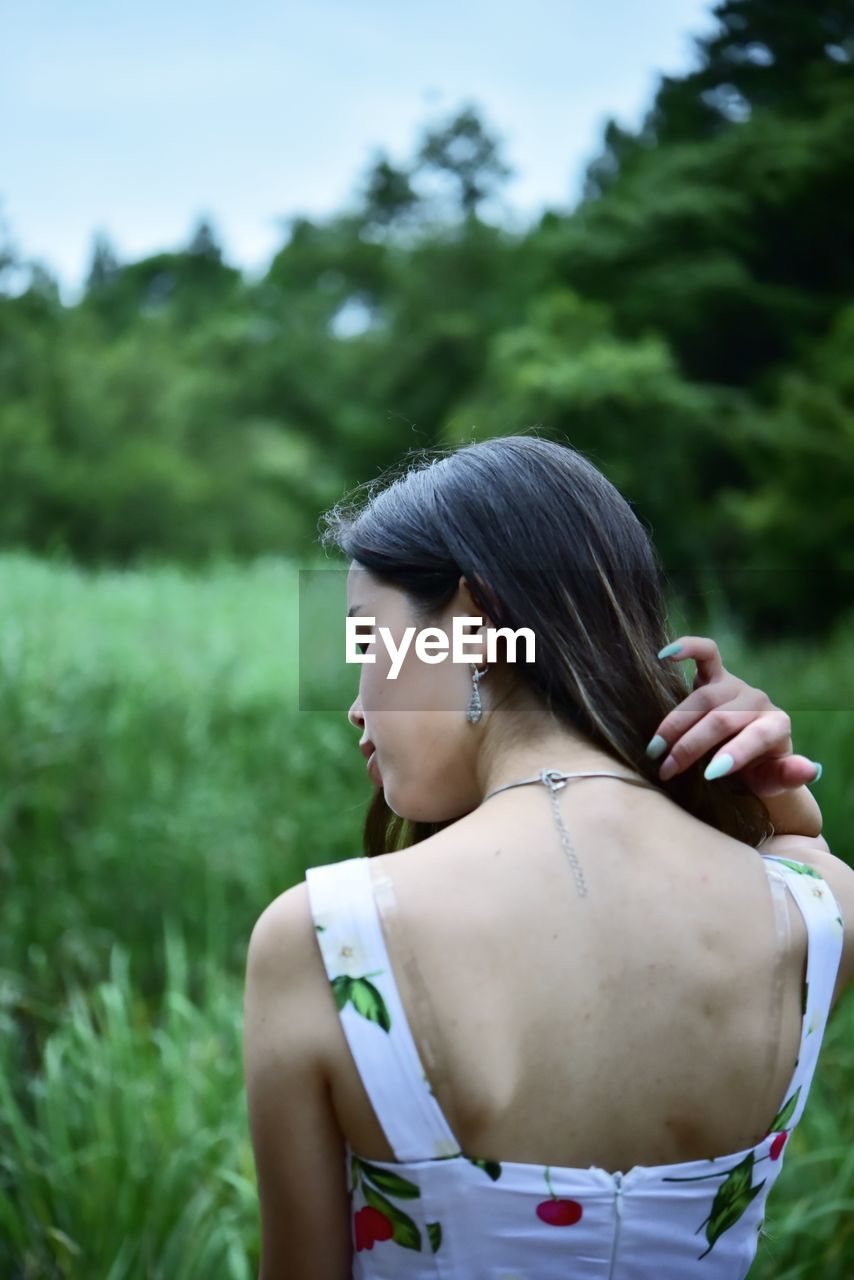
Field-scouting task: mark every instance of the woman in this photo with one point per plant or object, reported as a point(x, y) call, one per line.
point(565, 977)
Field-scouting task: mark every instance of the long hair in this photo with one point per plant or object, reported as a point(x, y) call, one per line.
point(545, 541)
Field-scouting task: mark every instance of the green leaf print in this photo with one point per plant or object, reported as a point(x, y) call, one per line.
point(801, 867)
point(393, 1184)
point(341, 990)
point(732, 1198)
point(364, 998)
point(405, 1232)
point(491, 1167)
point(782, 1118)
point(367, 1001)
point(733, 1195)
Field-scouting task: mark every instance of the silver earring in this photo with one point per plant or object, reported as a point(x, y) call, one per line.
point(474, 709)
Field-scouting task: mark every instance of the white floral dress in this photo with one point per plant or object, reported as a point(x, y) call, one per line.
point(435, 1212)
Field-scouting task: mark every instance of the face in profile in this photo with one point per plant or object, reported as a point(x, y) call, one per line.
point(425, 747)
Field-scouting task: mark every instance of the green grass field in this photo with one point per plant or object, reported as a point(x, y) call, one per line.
point(166, 770)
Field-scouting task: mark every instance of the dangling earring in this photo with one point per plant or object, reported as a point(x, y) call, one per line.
point(474, 709)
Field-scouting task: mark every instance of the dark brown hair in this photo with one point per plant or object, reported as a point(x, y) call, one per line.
point(545, 541)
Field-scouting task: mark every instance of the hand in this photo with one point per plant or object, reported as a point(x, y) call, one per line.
point(725, 710)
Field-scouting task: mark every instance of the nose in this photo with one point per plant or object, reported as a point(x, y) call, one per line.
point(355, 714)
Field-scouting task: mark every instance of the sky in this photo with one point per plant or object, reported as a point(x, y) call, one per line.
point(136, 121)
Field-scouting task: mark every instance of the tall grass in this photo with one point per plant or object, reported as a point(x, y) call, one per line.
point(154, 760)
point(159, 786)
point(128, 1154)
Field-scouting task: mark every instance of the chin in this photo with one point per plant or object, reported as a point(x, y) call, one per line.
point(402, 809)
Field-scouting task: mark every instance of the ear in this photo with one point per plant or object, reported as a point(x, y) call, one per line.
point(476, 600)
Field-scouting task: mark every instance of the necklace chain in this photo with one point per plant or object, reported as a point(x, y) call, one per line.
point(554, 779)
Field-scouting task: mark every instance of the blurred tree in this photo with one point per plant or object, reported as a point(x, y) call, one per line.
point(785, 55)
point(203, 242)
point(763, 54)
point(388, 196)
point(688, 325)
point(104, 266)
point(464, 151)
point(9, 260)
point(619, 146)
point(736, 246)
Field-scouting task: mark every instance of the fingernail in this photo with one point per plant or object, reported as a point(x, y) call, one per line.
point(668, 649)
point(656, 746)
point(718, 767)
point(820, 771)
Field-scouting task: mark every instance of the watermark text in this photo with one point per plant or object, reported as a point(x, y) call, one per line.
point(431, 643)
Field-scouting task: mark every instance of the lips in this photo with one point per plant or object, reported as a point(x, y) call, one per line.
point(369, 751)
point(373, 770)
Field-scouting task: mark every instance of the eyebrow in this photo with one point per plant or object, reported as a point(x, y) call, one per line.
point(351, 611)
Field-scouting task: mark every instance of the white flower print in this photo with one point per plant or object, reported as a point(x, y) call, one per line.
point(345, 953)
point(348, 956)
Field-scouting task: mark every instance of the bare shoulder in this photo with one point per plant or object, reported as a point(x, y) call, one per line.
point(815, 852)
point(283, 962)
point(281, 922)
point(286, 978)
point(280, 955)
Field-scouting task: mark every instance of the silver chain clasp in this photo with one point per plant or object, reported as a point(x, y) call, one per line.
point(553, 778)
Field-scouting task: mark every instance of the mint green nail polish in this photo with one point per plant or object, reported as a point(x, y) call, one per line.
point(656, 746)
point(818, 775)
point(668, 649)
point(717, 768)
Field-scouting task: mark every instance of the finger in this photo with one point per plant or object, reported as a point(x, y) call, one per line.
point(786, 773)
point(737, 731)
point(706, 654)
point(742, 702)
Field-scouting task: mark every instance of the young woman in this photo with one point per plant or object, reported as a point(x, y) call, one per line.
point(562, 1017)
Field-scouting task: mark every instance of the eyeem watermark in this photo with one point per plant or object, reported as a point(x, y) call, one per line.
point(431, 643)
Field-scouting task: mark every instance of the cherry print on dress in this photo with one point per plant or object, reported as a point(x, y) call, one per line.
point(371, 1225)
point(777, 1145)
point(382, 1220)
point(558, 1212)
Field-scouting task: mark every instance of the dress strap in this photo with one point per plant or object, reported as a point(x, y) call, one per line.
point(782, 951)
point(825, 932)
point(348, 930)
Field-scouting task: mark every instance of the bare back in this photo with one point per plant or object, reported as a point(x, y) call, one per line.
point(636, 1025)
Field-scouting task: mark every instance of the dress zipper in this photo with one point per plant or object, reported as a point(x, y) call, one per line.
point(618, 1206)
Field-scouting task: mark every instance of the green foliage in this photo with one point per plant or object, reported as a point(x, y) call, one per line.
point(693, 309)
point(155, 759)
point(162, 780)
point(128, 1153)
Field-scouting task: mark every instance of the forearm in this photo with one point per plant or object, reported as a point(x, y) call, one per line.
point(794, 813)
